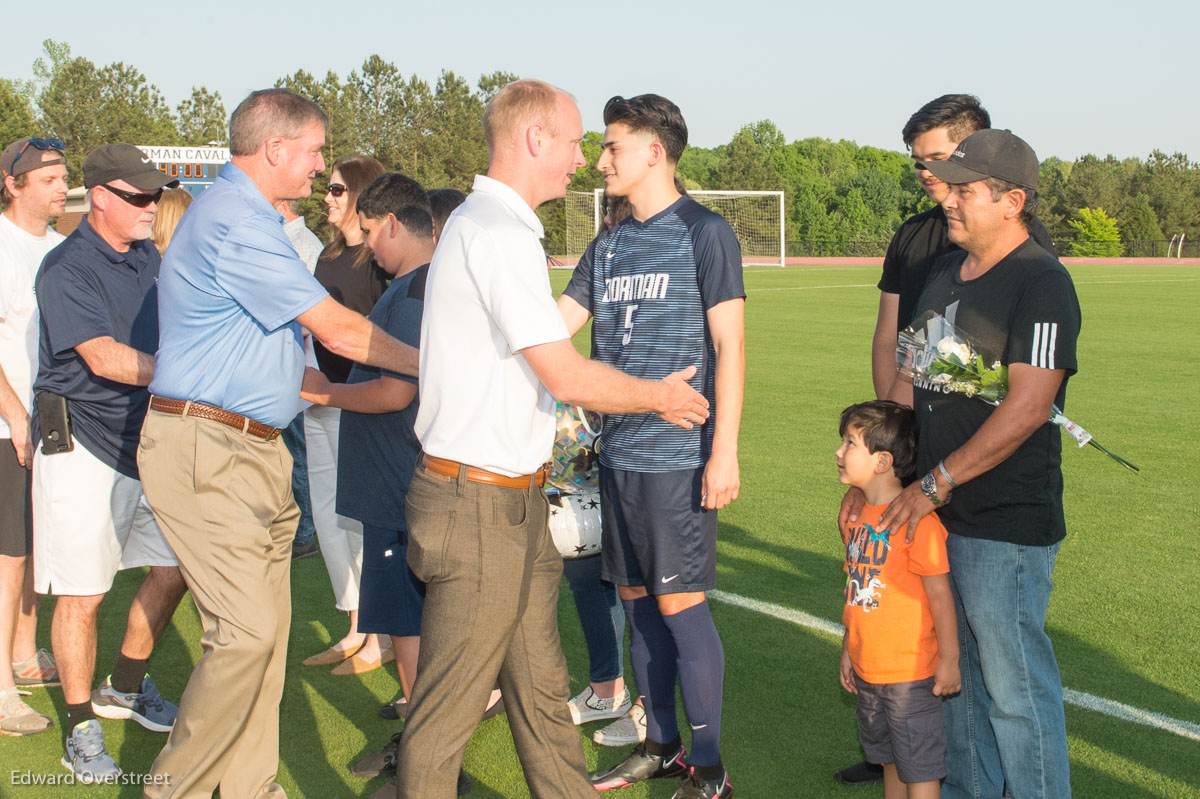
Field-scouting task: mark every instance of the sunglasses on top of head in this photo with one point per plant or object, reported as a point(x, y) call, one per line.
point(136, 199)
point(336, 190)
point(37, 144)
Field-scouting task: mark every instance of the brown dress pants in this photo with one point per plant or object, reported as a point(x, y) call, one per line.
point(491, 615)
point(223, 499)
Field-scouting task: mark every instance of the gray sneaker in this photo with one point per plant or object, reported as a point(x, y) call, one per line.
point(86, 757)
point(627, 730)
point(146, 707)
point(586, 706)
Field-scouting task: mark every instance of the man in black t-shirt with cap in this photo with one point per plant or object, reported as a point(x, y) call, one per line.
point(931, 134)
point(1003, 464)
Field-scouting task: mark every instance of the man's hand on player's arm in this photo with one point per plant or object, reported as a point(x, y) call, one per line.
point(575, 380)
point(1025, 409)
point(722, 478)
point(883, 345)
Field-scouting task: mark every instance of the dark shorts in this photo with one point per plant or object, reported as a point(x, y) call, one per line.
point(390, 598)
point(901, 723)
point(16, 505)
point(655, 533)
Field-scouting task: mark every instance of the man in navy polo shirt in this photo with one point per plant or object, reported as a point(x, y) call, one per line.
point(97, 297)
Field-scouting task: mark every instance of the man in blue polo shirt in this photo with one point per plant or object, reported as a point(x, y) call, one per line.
point(232, 299)
point(96, 293)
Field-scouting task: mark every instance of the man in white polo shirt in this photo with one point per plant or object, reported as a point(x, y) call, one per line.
point(495, 354)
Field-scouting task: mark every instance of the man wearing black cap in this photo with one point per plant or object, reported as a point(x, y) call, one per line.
point(34, 192)
point(1003, 464)
point(99, 329)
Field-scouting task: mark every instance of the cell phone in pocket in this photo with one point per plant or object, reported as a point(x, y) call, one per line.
point(54, 418)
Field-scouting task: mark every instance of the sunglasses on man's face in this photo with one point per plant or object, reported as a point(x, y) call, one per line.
point(336, 189)
point(136, 199)
point(37, 144)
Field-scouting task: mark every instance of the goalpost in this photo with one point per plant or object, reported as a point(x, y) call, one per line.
point(755, 216)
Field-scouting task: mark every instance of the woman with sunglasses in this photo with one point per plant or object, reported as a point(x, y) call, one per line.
point(351, 277)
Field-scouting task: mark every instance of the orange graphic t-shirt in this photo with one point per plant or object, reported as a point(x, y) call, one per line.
point(887, 617)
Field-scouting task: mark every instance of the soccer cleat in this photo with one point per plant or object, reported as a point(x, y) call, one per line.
point(640, 766)
point(379, 764)
point(38, 670)
point(86, 757)
point(146, 707)
point(18, 718)
point(628, 730)
point(861, 773)
point(695, 787)
point(586, 706)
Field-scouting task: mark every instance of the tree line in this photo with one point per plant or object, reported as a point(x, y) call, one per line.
point(836, 192)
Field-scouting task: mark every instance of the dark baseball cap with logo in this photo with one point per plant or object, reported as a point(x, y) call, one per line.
point(110, 162)
point(989, 153)
point(26, 155)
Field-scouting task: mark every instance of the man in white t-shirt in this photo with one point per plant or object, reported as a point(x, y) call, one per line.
point(495, 354)
point(34, 193)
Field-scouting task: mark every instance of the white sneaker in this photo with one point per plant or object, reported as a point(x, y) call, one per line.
point(586, 706)
point(628, 730)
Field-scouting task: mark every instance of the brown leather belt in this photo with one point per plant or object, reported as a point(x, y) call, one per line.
point(449, 468)
point(214, 414)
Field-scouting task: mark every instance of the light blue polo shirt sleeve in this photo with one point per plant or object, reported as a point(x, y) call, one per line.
point(256, 254)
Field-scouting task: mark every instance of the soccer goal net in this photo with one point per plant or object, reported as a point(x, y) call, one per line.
point(755, 216)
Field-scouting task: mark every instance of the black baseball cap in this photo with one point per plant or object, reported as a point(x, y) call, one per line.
point(989, 153)
point(110, 162)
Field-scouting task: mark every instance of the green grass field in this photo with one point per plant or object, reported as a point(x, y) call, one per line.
point(1123, 614)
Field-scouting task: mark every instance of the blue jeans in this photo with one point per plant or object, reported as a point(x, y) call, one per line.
point(293, 437)
point(602, 616)
point(1007, 725)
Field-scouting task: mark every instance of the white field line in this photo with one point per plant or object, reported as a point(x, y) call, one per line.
point(1118, 710)
point(1077, 283)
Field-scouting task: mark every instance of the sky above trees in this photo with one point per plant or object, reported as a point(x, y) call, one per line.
point(1098, 78)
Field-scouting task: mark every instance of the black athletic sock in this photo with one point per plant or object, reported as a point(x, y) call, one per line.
point(77, 714)
point(653, 747)
point(128, 674)
point(710, 773)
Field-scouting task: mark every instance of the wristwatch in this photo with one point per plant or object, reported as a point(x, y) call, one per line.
point(929, 486)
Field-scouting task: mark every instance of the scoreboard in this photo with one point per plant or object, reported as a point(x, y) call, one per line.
point(194, 167)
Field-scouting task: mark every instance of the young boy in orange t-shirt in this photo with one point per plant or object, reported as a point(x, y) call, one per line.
point(900, 651)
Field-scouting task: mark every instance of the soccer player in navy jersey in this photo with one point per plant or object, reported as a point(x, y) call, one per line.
point(665, 291)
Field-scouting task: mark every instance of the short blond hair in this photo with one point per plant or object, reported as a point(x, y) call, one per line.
point(520, 103)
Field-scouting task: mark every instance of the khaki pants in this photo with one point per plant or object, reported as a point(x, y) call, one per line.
point(224, 501)
point(491, 614)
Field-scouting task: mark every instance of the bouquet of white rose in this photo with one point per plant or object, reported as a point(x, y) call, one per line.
point(939, 356)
